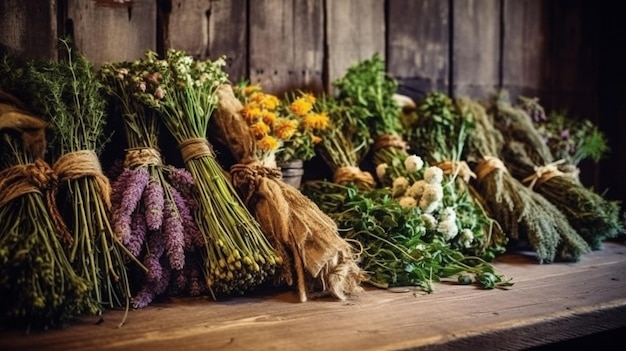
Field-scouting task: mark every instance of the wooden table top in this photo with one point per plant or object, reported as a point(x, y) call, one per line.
point(547, 303)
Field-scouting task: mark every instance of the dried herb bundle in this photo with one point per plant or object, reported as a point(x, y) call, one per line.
point(38, 285)
point(306, 238)
point(524, 215)
point(529, 159)
point(68, 95)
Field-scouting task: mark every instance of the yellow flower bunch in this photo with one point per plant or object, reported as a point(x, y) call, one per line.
point(285, 128)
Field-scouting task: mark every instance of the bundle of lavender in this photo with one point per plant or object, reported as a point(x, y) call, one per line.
point(439, 133)
point(529, 159)
point(151, 202)
point(367, 87)
point(306, 238)
point(68, 95)
point(38, 285)
point(524, 215)
point(237, 255)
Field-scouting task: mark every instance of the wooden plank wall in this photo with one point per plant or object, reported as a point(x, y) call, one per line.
point(556, 50)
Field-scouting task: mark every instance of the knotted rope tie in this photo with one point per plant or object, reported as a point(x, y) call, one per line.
point(141, 157)
point(390, 140)
point(248, 175)
point(84, 163)
point(488, 165)
point(351, 174)
point(460, 168)
point(195, 148)
point(543, 174)
point(37, 177)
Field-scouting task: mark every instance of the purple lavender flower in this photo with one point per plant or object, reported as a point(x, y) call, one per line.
point(144, 297)
point(155, 270)
point(136, 239)
point(193, 237)
point(118, 186)
point(132, 192)
point(174, 237)
point(153, 204)
point(181, 179)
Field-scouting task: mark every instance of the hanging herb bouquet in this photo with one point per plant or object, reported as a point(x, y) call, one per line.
point(68, 95)
point(315, 256)
point(345, 142)
point(38, 285)
point(151, 202)
point(366, 85)
point(530, 160)
point(238, 257)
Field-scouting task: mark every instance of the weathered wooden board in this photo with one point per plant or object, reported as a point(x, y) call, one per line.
point(525, 50)
point(475, 47)
point(107, 33)
point(418, 43)
point(548, 303)
point(286, 45)
point(29, 29)
point(355, 32)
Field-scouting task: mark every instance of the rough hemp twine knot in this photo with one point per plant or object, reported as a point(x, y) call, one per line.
point(390, 140)
point(543, 174)
point(352, 174)
point(488, 165)
point(460, 168)
point(84, 163)
point(251, 174)
point(195, 148)
point(140, 157)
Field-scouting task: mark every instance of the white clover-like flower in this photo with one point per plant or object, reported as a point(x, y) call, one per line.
point(413, 163)
point(467, 236)
point(432, 193)
point(448, 229)
point(399, 187)
point(430, 222)
point(407, 202)
point(417, 189)
point(428, 206)
point(447, 213)
point(381, 169)
point(433, 175)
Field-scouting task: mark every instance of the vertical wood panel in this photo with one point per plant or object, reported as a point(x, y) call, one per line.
point(286, 44)
point(104, 33)
point(355, 32)
point(476, 47)
point(418, 43)
point(228, 36)
point(525, 51)
point(29, 28)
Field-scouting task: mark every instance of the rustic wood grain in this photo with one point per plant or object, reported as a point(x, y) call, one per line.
point(286, 45)
point(108, 34)
point(475, 48)
point(548, 303)
point(418, 45)
point(525, 51)
point(29, 29)
point(355, 32)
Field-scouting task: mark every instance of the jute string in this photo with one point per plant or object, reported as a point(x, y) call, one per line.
point(488, 165)
point(460, 168)
point(249, 176)
point(195, 148)
point(352, 174)
point(140, 157)
point(84, 163)
point(37, 177)
point(390, 140)
point(543, 174)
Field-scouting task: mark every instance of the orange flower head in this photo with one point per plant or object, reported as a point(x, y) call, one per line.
point(310, 98)
point(316, 120)
point(251, 112)
point(285, 128)
point(268, 143)
point(259, 129)
point(250, 89)
point(268, 117)
point(270, 102)
point(300, 106)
